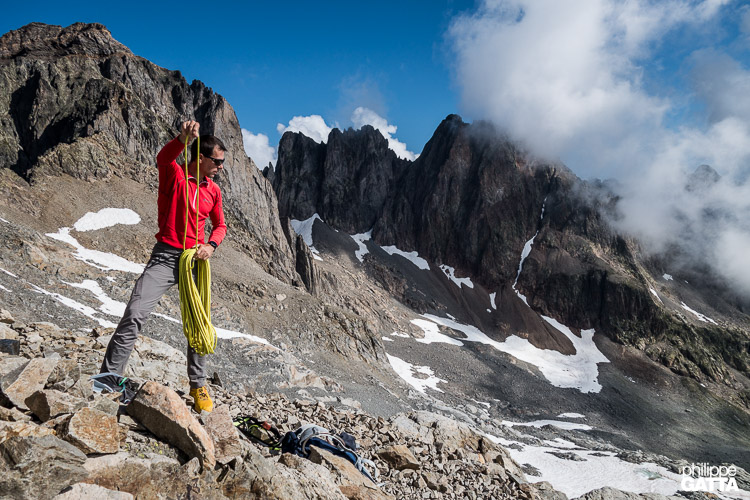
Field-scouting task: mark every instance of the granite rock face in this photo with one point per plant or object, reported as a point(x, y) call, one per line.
point(75, 101)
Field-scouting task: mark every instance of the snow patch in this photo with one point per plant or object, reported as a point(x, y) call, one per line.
point(451, 274)
point(656, 295)
point(407, 371)
point(387, 339)
point(360, 239)
point(73, 304)
point(221, 332)
point(571, 415)
point(402, 335)
point(106, 217)
point(5, 289)
point(109, 305)
point(101, 260)
point(524, 253)
point(413, 257)
point(432, 333)
point(492, 298)
point(576, 478)
point(230, 334)
point(570, 426)
point(578, 371)
point(304, 228)
point(667, 277)
point(698, 315)
point(8, 273)
point(1, 219)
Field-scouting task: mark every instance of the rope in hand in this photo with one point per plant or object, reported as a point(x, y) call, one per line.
point(195, 301)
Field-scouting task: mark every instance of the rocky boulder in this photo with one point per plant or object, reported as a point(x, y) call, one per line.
point(92, 431)
point(21, 383)
point(39, 467)
point(161, 411)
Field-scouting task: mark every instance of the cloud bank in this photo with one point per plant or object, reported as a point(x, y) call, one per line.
point(257, 147)
point(364, 116)
point(642, 91)
point(313, 126)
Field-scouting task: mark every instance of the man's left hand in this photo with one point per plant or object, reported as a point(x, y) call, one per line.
point(204, 252)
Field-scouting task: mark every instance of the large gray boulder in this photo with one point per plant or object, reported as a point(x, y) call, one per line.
point(162, 411)
point(39, 467)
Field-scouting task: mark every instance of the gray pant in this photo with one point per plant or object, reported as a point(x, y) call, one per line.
point(161, 273)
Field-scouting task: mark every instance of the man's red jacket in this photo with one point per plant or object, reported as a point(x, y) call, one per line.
point(171, 202)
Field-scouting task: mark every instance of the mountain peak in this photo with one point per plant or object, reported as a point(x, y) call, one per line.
point(47, 41)
point(702, 178)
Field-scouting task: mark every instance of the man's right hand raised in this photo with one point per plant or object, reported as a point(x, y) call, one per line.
point(189, 131)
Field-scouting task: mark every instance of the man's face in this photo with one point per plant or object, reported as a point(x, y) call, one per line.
point(209, 167)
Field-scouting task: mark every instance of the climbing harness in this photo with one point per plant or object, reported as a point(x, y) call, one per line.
point(195, 301)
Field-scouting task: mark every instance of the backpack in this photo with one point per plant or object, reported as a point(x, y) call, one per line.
point(260, 432)
point(343, 445)
point(113, 382)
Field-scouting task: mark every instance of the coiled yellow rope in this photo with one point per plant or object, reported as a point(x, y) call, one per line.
point(195, 301)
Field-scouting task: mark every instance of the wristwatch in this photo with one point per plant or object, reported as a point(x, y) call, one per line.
point(213, 244)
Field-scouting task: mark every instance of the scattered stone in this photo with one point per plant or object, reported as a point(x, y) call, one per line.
point(6, 317)
point(162, 411)
point(223, 433)
point(352, 482)
point(85, 491)
point(39, 467)
point(108, 403)
point(16, 386)
point(545, 491)
point(399, 457)
point(23, 429)
point(46, 404)
point(608, 493)
point(69, 376)
point(93, 431)
point(13, 415)
point(10, 346)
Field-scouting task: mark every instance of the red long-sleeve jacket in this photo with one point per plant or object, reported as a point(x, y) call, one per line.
point(171, 202)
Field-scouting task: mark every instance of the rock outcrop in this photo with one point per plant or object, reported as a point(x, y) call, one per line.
point(75, 101)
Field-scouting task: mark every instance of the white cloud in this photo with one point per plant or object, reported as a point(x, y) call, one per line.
point(569, 83)
point(722, 83)
point(312, 126)
point(364, 116)
point(566, 81)
point(258, 148)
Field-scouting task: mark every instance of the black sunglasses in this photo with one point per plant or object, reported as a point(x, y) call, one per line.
point(217, 161)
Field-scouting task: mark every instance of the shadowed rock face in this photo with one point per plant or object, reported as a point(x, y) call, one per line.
point(471, 201)
point(75, 101)
point(346, 181)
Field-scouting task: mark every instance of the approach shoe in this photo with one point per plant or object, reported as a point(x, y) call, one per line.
point(201, 399)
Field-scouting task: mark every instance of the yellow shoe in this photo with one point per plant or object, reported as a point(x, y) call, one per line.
point(201, 399)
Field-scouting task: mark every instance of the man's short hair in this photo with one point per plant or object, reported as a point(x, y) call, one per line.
point(208, 143)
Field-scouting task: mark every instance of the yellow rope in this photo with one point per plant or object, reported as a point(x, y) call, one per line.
point(195, 302)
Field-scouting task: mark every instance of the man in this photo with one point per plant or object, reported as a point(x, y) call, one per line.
point(161, 272)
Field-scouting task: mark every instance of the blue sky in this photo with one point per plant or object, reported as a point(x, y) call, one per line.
point(276, 60)
point(642, 91)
